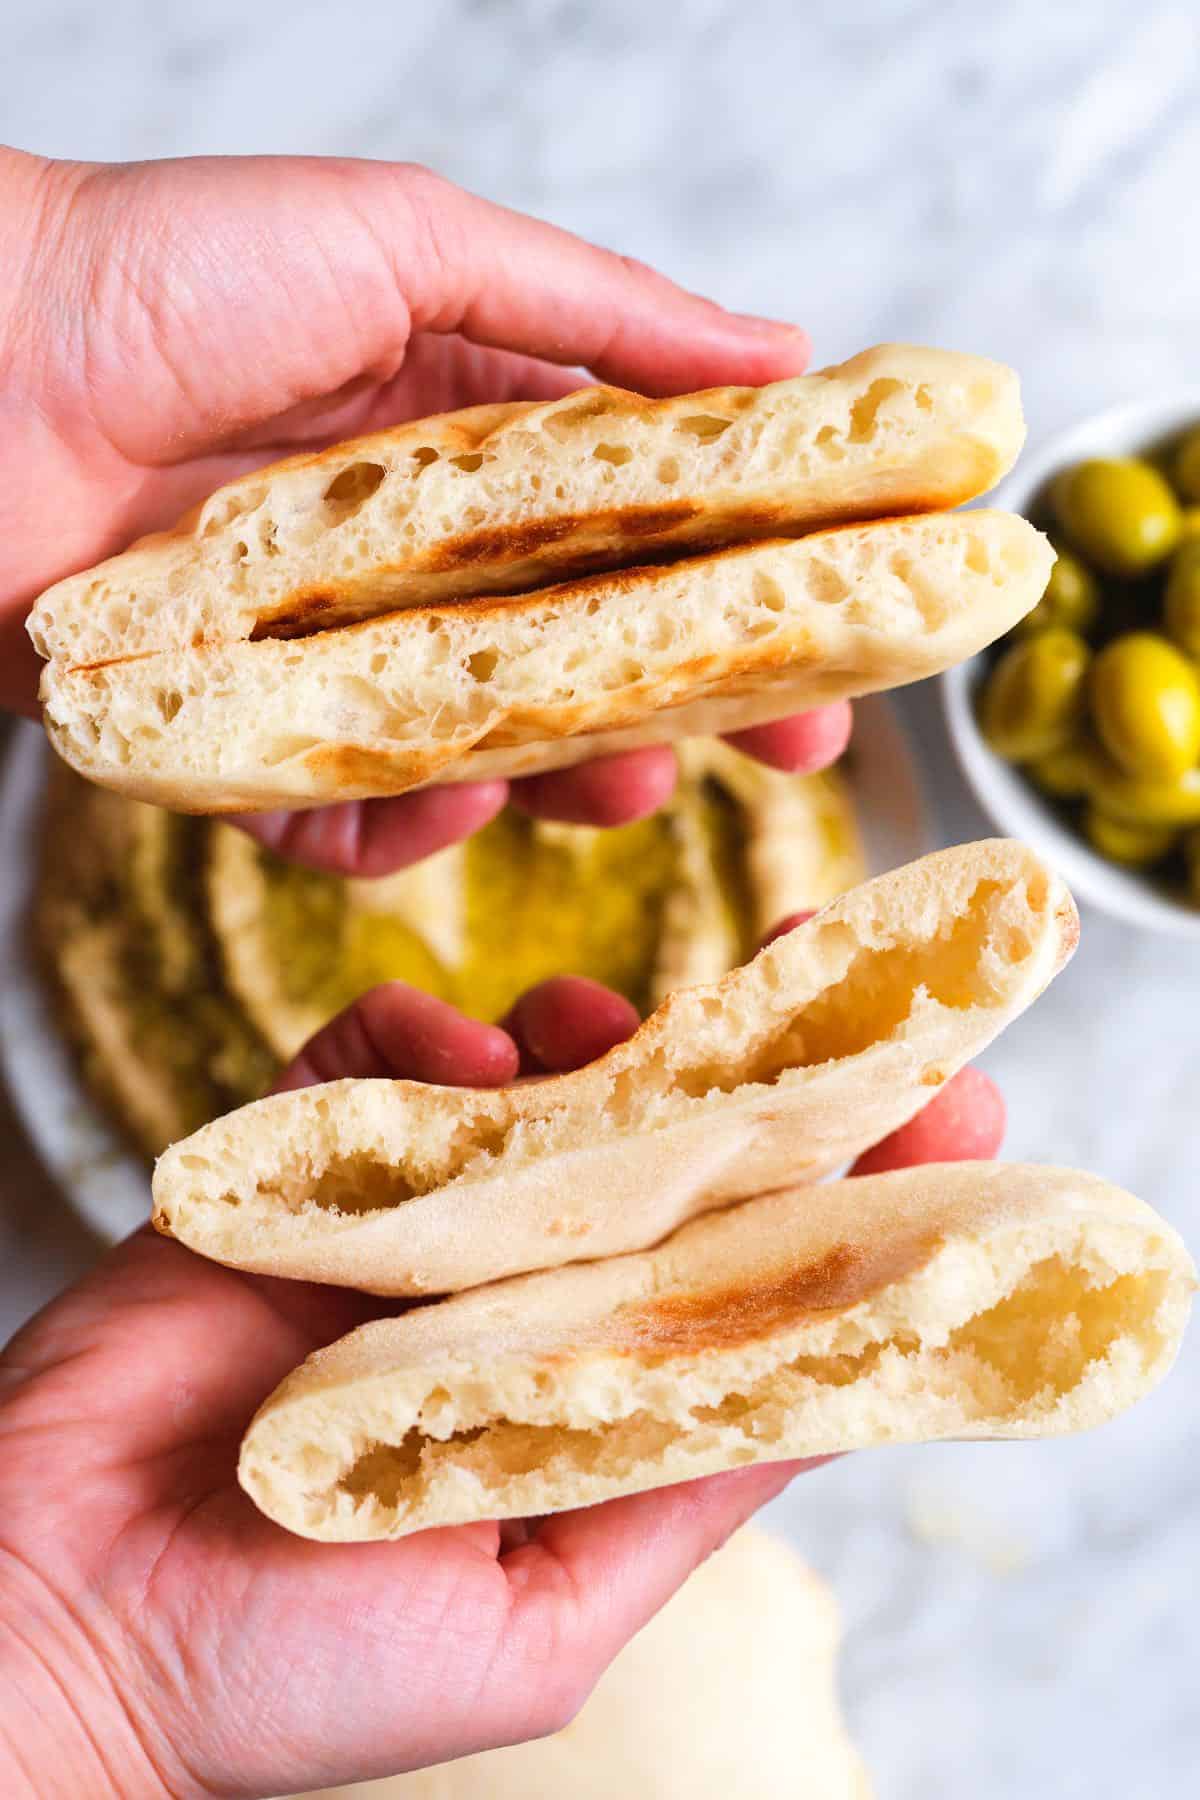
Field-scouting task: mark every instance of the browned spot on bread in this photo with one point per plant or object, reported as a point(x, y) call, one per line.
point(719, 1318)
point(599, 539)
point(525, 537)
point(595, 543)
point(643, 521)
point(593, 552)
point(613, 581)
point(292, 621)
point(933, 1076)
point(303, 612)
point(357, 765)
point(504, 543)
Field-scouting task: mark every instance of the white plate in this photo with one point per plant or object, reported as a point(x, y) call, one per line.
point(103, 1179)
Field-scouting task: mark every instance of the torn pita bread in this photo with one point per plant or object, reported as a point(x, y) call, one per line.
point(511, 686)
point(500, 499)
point(785, 1069)
point(727, 1694)
point(958, 1300)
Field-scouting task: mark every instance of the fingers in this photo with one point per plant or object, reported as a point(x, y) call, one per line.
point(463, 264)
point(377, 837)
point(611, 791)
point(964, 1123)
point(398, 1032)
point(799, 745)
point(588, 1580)
point(568, 1021)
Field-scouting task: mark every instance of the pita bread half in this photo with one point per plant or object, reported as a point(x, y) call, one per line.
point(510, 686)
point(727, 1694)
point(500, 499)
point(959, 1300)
point(781, 1072)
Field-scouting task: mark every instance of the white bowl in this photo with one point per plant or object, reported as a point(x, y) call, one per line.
point(1004, 794)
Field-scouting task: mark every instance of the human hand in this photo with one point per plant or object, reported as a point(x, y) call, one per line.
point(159, 1636)
point(170, 325)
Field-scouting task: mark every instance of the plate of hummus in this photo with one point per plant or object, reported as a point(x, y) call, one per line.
point(160, 969)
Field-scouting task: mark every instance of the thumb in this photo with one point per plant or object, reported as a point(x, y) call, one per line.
point(517, 283)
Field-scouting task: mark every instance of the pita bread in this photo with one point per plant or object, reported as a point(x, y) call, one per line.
point(728, 1694)
point(958, 1300)
point(500, 499)
point(509, 686)
point(834, 1035)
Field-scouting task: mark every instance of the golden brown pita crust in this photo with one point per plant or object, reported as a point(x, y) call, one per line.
point(505, 687)
point(781, 1072)
point(503, 498)
point(961, 1300)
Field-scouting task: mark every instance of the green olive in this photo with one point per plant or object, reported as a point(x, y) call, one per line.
point(1138, 802)
point(1181, 608)
point(1069, 772)
point(1033, 701)
point(1119, 512)
point(1072, 598)
point(1186, 467)
point(1133, 845)
point(1145, 700)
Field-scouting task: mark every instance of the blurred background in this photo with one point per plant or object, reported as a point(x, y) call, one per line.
point(1015, 180)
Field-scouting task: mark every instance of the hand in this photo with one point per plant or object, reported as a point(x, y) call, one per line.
point(159, 1636)
point(173, 324)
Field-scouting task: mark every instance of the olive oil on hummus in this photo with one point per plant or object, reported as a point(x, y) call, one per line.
point(189, 963)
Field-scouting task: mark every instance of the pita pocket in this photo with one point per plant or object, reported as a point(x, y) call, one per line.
point(958, 1300)
point(378, 618)
point(779, 1073)
point(503, 499)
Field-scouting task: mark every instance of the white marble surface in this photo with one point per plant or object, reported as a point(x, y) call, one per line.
point(1015, 179)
